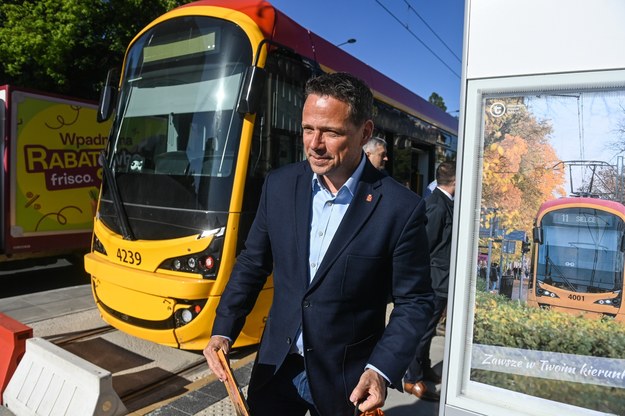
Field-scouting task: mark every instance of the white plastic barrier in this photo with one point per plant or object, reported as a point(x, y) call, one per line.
point(52, 381)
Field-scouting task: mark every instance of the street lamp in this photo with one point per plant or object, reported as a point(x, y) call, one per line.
point(352, 40)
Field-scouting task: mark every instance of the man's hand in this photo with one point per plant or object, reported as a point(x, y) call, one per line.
point(370, 393)
point(215, 344)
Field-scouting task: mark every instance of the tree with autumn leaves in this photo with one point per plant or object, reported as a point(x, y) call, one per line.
point(518, 165)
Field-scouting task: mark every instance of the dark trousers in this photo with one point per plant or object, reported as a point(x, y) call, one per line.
point(287, 393)
point(422, 355)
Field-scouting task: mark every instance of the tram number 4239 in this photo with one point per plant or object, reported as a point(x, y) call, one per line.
point(577, 297)
point(129, 256)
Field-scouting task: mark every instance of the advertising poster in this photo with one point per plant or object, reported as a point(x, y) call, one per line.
point(56, 174)
point(549, 319)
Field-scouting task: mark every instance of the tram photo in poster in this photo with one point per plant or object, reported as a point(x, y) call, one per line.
point(548, 320)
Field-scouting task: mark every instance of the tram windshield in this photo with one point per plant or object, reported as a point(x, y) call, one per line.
point(581, 250)
point(176, 135)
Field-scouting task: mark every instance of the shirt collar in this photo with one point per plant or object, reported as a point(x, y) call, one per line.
point(350, 184)
point(446, 193)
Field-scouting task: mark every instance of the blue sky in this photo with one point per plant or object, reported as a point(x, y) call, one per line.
point(386, 33)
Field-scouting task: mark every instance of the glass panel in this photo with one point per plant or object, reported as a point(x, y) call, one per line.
point(175, 141)
point(548, 318)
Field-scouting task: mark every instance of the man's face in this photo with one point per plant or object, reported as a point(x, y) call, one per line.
point(333, 144)
point(378, 157)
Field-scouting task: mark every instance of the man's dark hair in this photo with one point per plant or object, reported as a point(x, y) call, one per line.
point(346, 88)
point(446, 173)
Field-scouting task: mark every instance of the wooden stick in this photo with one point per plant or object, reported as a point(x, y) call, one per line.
point(236, 396)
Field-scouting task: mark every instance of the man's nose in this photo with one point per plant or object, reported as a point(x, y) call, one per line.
point(317, 140)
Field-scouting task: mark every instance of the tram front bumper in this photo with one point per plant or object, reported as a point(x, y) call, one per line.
point(142, 303)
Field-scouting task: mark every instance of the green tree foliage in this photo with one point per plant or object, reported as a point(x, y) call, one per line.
point(438, 101)
point(67, 46)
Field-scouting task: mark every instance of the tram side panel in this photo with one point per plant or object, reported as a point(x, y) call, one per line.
point(50, 177)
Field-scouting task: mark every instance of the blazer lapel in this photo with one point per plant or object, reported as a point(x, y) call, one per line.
point(303, 207)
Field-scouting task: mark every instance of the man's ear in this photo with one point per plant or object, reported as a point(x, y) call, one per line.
point(367, 132)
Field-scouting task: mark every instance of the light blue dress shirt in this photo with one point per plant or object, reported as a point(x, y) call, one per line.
point(328, 210)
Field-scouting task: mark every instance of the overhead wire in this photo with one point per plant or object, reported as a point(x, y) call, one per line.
point(418, 39)
point(432, 30)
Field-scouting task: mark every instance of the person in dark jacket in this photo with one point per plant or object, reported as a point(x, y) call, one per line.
point(439, 211)
point(340, 237)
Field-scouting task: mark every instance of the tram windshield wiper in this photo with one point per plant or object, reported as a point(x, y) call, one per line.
point(560, 274)
point(117, 200)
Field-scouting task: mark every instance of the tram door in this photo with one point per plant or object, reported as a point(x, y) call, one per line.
point(412, 163)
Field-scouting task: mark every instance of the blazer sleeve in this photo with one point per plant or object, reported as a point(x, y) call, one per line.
point(412, 297)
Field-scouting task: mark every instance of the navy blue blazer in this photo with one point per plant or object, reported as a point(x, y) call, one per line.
point(379, 249)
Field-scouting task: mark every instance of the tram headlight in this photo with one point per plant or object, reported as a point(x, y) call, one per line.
point(544, 292)
point(205, 263)
point(616, 302)
point(187, 312)
point(186, 316)
point(191, 262)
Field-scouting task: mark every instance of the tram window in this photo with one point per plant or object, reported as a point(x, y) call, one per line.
point(277, 132)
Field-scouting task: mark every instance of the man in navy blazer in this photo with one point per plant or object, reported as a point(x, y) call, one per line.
point(339, 237)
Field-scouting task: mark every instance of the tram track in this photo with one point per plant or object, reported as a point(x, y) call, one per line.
point(154, 384)
point(135, 400)
point(146, 376)
point(148, 390)
point(197, 389)
point(76, 336)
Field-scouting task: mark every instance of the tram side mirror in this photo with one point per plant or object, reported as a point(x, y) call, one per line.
point(622, 243)
point(252, 90)
point(108, 96)
point(537, 235)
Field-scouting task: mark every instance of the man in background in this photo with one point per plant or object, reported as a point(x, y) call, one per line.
point(439, 212)
point(375, 149)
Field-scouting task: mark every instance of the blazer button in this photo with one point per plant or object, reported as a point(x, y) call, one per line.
point(288, 340)
point(306, 304)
